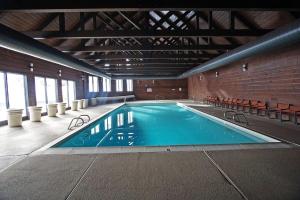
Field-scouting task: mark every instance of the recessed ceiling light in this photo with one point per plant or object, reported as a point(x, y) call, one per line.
point(127, 60)
point(106, 65)
point(97, 60)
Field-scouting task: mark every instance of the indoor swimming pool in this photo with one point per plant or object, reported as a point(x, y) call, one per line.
point(160, 124)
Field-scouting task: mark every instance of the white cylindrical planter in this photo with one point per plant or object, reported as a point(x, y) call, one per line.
point(35, 113)
point(80, 103)
point(93, 101)
point(52, 110)
point(98, 100)
point(85, 103)
point(74, 105)
point(14, 117)
point(61, 108)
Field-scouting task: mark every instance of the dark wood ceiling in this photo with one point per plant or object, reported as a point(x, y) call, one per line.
point(147, 42)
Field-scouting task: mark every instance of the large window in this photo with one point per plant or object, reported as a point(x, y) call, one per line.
point(16, 91)
point(45, 91)
point(129, 85)
point(2, 98)
point(12, 93)
point(106, 85)
point(68, 91)
point(93, 84)
point(119, 85)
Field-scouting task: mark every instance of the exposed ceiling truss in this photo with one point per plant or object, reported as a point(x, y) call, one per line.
point(148, 41)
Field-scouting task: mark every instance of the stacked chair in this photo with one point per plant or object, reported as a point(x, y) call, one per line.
point(257, 107)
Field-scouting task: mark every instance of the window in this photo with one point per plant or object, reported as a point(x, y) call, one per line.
point(93, 84)
point(12, 93)
point(2, 98)
point(51, 90)
point(119, 85)
point(129, 85)
point(45, 91)
point(68, 91)
point(106, 85)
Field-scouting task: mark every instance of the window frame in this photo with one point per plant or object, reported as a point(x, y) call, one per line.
point(106, 84)
point(119, 85)
point(68, 91)
point(129, 89)
point(95, 87)
point(45, 88)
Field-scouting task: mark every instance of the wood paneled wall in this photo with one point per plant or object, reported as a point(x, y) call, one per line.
point(273, 77)
point(161, 89)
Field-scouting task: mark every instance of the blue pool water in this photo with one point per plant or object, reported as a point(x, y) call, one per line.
point(156, 125)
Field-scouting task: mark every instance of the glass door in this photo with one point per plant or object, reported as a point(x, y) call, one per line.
point(40, 92)
point(51, 90)
point(45, 91)
point(68, 91)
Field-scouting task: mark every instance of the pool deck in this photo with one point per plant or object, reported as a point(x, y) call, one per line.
point(264, 172)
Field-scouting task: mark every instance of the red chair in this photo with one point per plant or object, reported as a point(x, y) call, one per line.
point(245, 104)
point(253, 106)
point(292, 111)
point(239, 103)
point(277, 110)
point(227, 102)
point(234, 103)
point(261, 106)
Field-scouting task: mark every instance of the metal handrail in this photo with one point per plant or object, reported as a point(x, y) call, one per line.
point(229, 112)
point(80, 120)
point(236, 116)
point(87, 116)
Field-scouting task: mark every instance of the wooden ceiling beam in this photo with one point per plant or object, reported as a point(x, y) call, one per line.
point(138, 5)
point(147, 48)
point(147, 56)
point(40, 35)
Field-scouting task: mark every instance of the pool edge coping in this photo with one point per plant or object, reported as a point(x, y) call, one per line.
point(46, 149)
point(228, 123)
point(61, 138)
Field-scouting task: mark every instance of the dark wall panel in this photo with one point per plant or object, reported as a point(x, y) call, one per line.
point(273, 77)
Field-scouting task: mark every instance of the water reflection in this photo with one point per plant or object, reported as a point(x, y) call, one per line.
point(120, 119)
point(107, 123)
point(117, 129)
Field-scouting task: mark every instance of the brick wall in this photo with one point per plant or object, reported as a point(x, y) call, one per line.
point(272, 77)
point(161, 89)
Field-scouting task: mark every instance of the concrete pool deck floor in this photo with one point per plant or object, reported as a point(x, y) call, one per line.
point(262, 173)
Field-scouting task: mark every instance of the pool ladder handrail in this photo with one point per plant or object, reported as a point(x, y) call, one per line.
point(80, 120)
point(236, 117)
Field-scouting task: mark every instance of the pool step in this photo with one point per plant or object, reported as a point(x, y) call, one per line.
point(79, 121)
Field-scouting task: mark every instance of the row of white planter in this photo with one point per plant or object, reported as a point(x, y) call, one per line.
point(14, 117)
